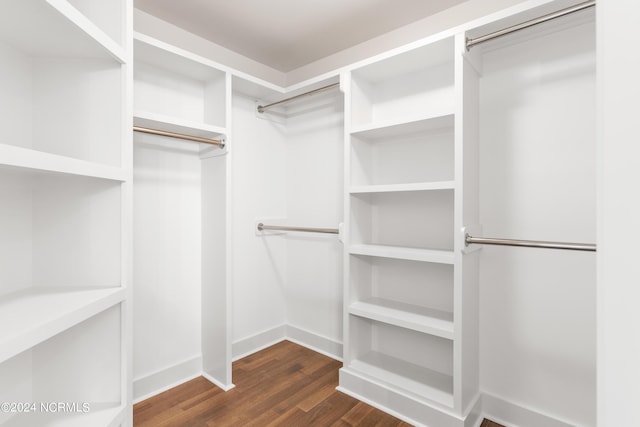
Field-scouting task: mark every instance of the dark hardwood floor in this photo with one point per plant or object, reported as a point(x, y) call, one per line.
point(283, 385)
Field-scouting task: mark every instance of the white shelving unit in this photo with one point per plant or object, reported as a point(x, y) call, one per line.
point(180, 92)
point(65, 167)
point(408, 284)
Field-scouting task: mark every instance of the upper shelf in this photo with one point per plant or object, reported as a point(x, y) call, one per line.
point(179, 88)
point(45, 162)
point(174, 59)
point(34, 315)
point(395, 67)
point(55, 28)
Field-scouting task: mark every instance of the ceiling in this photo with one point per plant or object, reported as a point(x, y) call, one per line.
point(287, 34)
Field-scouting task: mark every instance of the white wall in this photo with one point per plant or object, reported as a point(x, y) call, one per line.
point(537, 181)
point(619, 175)
point(167, 255)
point(314, 199)
point(259, 191)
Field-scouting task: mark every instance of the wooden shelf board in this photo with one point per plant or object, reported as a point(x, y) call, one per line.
point(176, 125)
point(54, 28)
point(422, 319)
point(421, 382)
point(405, 127)
point(396, 188)
point(46, 162)
point(33, 315)
point(397, 252)
point(99, 415)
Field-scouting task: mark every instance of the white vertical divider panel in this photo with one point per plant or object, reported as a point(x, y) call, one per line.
point(126, 311)
point(618, 316)
point(216, 257)
point(466, 379)
point(346, 86)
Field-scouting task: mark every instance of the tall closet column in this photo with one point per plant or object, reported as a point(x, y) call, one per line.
point(182, 176)
point(411, 338)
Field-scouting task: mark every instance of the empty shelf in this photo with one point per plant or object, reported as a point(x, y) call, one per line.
point(398, 128)
point(398, 374)
point(421, 319)
point(395, 188)
point(55, 28)
point(176, 125)
point(46, 162)
point(31, 316)
point(397, 252)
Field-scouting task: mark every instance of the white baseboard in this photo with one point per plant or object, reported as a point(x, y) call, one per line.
point(217, 383)
point(261, 340)
point(512, 414)
point(164, 379)
point(269, 337)
point(315, 342)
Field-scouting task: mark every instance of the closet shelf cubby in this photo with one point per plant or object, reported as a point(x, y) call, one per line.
point(397, 374)
point(397, 252)
point(40, 161)
point(178, 87)
point(421, 319)
point(411, 152)
point(33, 315)
point(56, 28)
point(104, 415)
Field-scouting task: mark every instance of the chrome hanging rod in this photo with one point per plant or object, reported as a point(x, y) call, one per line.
point(220, 143)
point(468, 240)
point(262, 227)
point(553, 15)
point(262, 108)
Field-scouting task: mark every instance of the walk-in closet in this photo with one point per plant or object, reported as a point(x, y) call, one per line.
point(334, 214)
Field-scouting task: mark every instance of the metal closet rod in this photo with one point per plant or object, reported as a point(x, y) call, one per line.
point(529, 243)
point(219, 143)
point(262, 227)
point(553, 15)
point(262, 108)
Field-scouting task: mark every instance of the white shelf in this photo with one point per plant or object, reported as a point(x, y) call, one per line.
point(396, 188)
point(398, 374)
point(397, 252)
point(171, 58)
point(31, 316)
point(45, 162)
point(176, 125)
point(403, 127)
point(100, 415)
point(54, 28)
point(429, 321)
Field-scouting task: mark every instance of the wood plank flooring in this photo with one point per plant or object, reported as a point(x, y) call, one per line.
point(283, 385)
